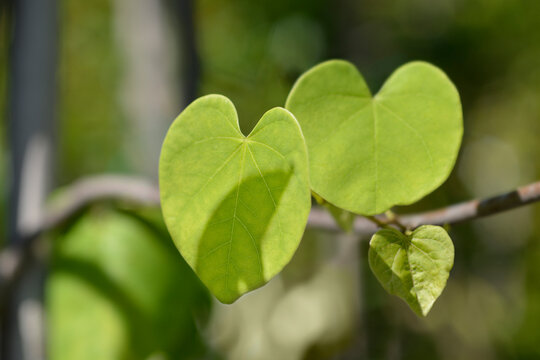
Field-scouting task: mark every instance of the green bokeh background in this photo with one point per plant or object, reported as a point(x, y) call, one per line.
point(252, 52)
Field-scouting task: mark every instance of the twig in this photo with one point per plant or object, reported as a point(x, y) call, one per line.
point(142, 192)
point(15, 258)
point(474, 209)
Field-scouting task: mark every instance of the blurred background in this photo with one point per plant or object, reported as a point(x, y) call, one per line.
point(90, 87)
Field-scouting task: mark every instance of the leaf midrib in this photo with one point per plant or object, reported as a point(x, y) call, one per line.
point(242, 163)
point(246, 146)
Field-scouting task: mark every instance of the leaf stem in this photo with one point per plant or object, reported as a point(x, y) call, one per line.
point(393, 219)
point(318, 198)
point(390, 219)
point(376, 221)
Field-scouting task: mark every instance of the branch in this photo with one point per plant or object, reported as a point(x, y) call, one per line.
point(475, 209)
point(141, 192)
point(89, 190)
point(14, 259)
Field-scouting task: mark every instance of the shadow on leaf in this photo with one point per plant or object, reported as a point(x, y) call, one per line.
point(230, 257)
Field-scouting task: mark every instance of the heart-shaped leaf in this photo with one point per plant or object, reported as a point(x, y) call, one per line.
point(367, 153)
point(236, 206)
point(414, 267)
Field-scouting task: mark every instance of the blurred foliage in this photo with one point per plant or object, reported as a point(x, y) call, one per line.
point(308, 311)
point(252, 53)
point(91, 123)
point(118, 290)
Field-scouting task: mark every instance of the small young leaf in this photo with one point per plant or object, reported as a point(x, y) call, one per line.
point(367, 153)
point(344, 218)
point(236, 206)
point(414, 267)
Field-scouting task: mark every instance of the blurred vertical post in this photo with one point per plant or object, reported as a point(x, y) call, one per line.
point(151, 94)
point(189, 61)
point(32, 97)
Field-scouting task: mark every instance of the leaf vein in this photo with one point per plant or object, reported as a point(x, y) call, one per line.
point(218, 138)
point(214, 250)
point(269, 147)
point(415, 131)
point(375, 157)
point(242, 162)
point(269, 192)
point(254, 245)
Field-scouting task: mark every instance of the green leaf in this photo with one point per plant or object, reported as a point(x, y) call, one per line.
point(344, 218)
point(414, 267)
point(236, 206)
point(367, 153)
point(117, 289)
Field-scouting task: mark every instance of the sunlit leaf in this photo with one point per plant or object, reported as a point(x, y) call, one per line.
point(235, 206)
point(367, 153)
point(414, 267)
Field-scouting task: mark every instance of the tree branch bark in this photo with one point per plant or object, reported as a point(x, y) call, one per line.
point(477, 208)
point(141, 192)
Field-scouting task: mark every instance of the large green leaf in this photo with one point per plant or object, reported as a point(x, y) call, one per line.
point(117, 289)
point(367, 153)
point(236, 206)
point(414, 267)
